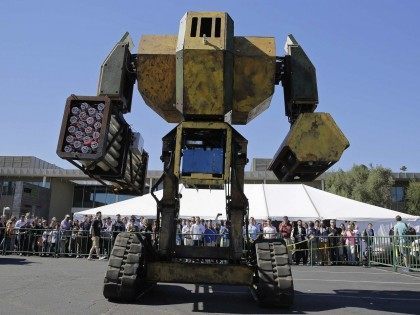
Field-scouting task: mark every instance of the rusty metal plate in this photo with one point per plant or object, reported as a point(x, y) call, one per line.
point(202, 83)
point(254, 73)
point(156, 75)
point(316, 137)
point(199, 273)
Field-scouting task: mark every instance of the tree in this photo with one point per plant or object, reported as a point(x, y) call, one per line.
point(367, 184)
point(412, 196)
point(378, 186)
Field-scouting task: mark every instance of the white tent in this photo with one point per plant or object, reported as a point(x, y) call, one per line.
point(297, 201)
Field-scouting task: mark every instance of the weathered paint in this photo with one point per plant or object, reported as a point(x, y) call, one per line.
point(199, 273)
point(254, 72)
point(156, 75)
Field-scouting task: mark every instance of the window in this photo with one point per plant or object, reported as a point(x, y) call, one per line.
point(205, 27)
point(194, 27)
point(218, 26)
point(397, 194)
point(27, 190)
point(86, 196)
point(123, 197)
point(203, 152)
point(103, 196)
point(7, 188)
point(78, 197)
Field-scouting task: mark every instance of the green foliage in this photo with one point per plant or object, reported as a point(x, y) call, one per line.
point(367, 184)
point(413, 198)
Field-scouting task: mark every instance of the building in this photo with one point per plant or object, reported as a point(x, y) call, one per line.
point(29, 184)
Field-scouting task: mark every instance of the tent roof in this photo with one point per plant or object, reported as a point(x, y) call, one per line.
point(297, 201)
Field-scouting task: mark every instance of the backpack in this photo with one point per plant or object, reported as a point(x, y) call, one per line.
point(409, 230)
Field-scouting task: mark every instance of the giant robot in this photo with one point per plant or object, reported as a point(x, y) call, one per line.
point(204, 80)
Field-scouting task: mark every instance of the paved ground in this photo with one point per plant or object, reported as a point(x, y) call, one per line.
point(73, 286)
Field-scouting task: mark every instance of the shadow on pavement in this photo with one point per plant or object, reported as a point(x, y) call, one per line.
point(14, 261)
point(238, 300)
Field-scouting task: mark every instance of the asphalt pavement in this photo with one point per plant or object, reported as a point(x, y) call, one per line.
point(38, 285)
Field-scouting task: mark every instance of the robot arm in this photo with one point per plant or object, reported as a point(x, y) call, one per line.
point(94, 135)
point(314, 142)
point(297, 74)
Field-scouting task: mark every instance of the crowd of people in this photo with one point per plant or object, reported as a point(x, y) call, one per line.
point(28, 235)
point(313, 243)
point(317, 242)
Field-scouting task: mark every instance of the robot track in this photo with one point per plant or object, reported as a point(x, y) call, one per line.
point(125, 276)
point(274, 282)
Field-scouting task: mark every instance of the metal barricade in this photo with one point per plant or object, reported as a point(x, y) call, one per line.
point(51, 242)
point(398, 252)
point(395, 251)
point(203, 239)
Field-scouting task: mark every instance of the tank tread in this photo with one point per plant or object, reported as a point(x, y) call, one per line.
point(274, 287)
point(123, 278)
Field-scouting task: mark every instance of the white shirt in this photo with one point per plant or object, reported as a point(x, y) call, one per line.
point(108, 226)
point(186, 229)
point(270, 232)
point(20, 223)
point(196, 231)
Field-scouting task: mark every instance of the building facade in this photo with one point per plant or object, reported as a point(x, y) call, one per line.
point(29, 184)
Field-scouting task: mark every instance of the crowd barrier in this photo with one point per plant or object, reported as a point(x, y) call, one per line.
point(52, 242)
point(393, 251)
point(398, 252)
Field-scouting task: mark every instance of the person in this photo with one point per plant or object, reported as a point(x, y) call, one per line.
point(342, 244)
point(270, 231)
point(6, 243)
point(36, 236)
point(54, 238)
point(25, 232)
point(125, 221)
point(106, 233)
point(95, 232)
point(135, 223)
point(312, 235)
point(84, 234)
point(178, 233)
point(323, 244)
point(368, 235)
point(351, 243)
point(186, 233)
point(183, 224)
point(131, 225)
point(147, 229)
point(400, 230)
point(65, 231)
point(140, 224)
point(224, 234)
point(19, 227)
point(209, 235)
point(358, 243)
point(2, 227)
point(333, 242)
point(203, 228)
point(285, 229)
point(299, 238)
point(45, 235)
point(196, 232)
point(118, 226)
point(253, 231)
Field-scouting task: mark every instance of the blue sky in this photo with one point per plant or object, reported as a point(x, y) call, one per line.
point(367, 56)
